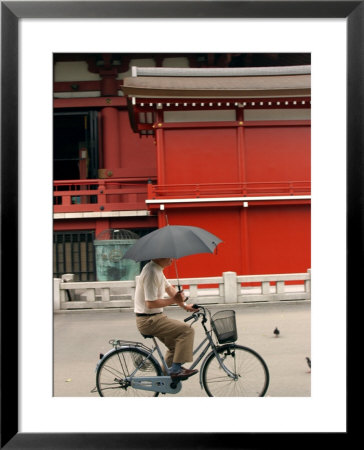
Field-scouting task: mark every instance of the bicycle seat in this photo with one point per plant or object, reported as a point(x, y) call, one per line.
point(146, 336)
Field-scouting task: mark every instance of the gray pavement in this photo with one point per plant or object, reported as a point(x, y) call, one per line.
point(79, 337)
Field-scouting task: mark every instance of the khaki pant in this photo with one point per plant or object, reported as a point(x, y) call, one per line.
point(175, 335)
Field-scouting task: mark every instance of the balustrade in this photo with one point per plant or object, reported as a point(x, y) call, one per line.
point(229, 189)
point(99, 195)
point(229, 289)
point(116, 194)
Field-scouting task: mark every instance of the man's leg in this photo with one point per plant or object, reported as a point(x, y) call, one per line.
point(176, 336)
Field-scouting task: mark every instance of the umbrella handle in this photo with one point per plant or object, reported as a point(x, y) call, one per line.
point(181, 290)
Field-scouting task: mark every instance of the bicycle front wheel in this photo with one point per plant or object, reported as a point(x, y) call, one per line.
point(112, 376)
point(248, 377)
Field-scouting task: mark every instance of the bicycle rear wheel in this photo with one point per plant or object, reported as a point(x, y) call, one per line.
point(112, 373)
point(251, 375)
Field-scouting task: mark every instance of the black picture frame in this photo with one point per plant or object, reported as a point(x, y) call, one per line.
point(11, 13)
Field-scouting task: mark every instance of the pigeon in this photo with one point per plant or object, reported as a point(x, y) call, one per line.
point(276, 332)
point(308, 362)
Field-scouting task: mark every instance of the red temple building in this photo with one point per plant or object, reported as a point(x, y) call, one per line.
point(217, 141)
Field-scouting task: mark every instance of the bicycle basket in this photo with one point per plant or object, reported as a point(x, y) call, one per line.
point(224, 326)
point(141, 363)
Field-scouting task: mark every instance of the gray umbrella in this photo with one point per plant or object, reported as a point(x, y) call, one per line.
point(173, 241)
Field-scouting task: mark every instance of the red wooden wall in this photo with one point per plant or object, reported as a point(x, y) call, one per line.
point(201, 155)
point(262, 238)
point(256, 240)
point(208, 155)
point(124, 152)
point(136, 152)
point(277, 153)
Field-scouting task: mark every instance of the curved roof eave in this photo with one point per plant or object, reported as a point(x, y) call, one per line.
point(247, 86)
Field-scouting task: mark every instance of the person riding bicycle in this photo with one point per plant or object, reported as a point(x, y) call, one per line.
point(151, 320)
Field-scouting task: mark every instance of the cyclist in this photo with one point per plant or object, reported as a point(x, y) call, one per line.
point(151, 320)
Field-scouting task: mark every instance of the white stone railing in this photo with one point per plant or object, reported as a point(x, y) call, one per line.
point(230, 288)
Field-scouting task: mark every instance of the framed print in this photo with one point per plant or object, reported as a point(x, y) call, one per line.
point(30, 33)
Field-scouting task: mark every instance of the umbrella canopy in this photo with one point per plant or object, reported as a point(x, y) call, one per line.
point(173, 241)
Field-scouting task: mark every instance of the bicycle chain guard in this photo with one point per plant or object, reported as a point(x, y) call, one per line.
point(163, 384)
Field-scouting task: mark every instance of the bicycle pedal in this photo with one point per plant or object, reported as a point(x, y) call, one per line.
point(181, 378)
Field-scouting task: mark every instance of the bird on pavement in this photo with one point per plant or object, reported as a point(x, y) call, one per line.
point(276, 332)
point(308, 362)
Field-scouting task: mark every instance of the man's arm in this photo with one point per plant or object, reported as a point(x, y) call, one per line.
point(175, 297)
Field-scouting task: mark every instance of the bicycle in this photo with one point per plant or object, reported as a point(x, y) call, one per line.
point(229, 370)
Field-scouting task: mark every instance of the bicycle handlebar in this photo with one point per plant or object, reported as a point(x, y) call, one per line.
point(194, 315)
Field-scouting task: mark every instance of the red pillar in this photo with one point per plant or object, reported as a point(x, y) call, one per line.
point(110, 136)
point(244, 233)
point(111, 146)
point(159, 137)
point(101, 225)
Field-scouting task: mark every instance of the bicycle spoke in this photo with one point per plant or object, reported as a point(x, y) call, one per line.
point(113, 371)
point(125, 365)
point(117, 386)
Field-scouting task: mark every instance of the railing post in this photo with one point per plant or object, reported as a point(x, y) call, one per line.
point(67, 277)
point(265, 287)
point(193, 292)
point(56, 294)
point(101, 195)
point(221, 292)
point(90, 294)
point(280, 287)
point(230, 287)
point(66, 200)
point(308, 282)
point(105, 294)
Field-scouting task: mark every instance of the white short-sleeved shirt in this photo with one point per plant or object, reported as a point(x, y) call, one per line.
point(151, 286)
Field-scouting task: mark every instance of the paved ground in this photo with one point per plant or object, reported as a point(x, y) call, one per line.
point(79, 337)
